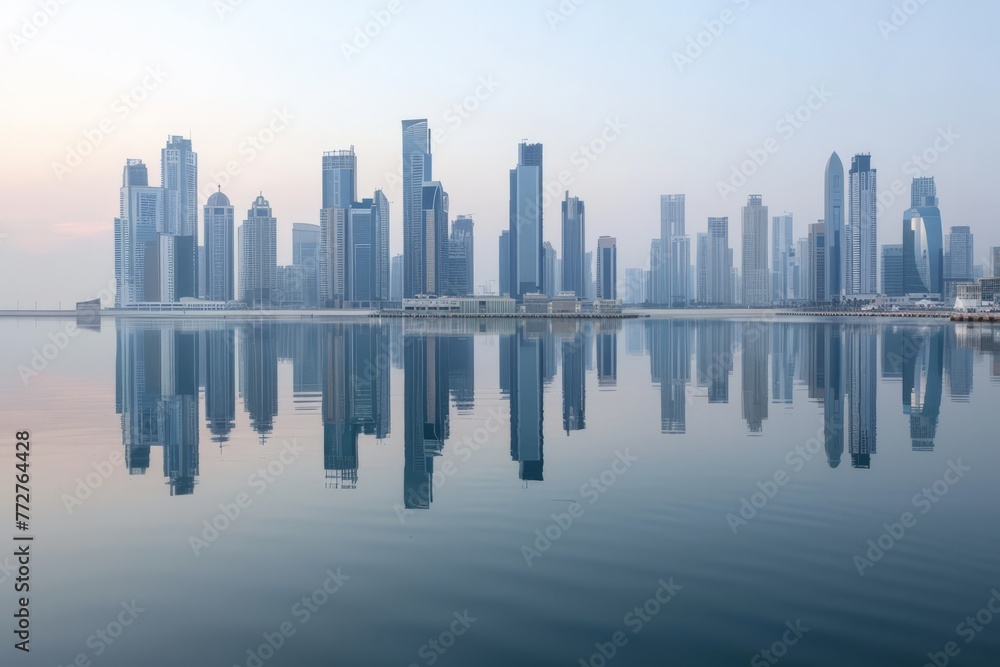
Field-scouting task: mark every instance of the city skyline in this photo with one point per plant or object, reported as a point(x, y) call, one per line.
point(501, 84)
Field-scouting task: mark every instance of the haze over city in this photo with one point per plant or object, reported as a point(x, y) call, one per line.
point(863, 78)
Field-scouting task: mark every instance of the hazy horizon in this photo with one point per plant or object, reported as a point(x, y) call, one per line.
point(219, 71)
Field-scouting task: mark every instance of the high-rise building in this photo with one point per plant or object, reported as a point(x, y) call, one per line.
point(417, 170)
point(755, 273)
point(923, 242)
point(550, 264)
point(219, 237)
point(588, 275)
point(138, 229)
point(574, 238)
point(818, 257)
point(462, 257)
point(959, 260)
point(996, 262)
point(305, 256)
point(701, 261)
point(333, 224)
point(434, 232)
point(832, 283)
point(861, 272)
point(506, 287)
point(526, 220)
point(366, 254)
point(340, 184)
point(923, 192)
point(396, 289)
point(782, 249)
point(179, 180)
point(339, 194)
point(805, 269)
point(720, 263)
point(607, 268)
point(676, 262)
point(360, 276)
point(258, 255)
point(892, 270)
point(635, 286)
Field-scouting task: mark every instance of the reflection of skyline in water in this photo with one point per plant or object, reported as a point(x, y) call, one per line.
point(341, 374)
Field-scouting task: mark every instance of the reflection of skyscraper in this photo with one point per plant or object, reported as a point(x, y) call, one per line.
point(670, 360)
point(425, 416)
point(259, 375)
point(959, 364)
point(158, 385)
point(220, 383)
point(755, 405)
point(923, 384)
point(833, 394)
point(862, 388)
point(462, 370)
point(783, 355)
point(355, 384)
point(574, 379)
point(607, 360)
point(526, 398)
point(715, 358)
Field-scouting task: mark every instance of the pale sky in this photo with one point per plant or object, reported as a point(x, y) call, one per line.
point(221, 76)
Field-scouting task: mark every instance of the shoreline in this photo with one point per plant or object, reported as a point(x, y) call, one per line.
point(636, 314)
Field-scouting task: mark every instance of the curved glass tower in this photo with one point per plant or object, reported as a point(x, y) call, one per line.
point(923, 241)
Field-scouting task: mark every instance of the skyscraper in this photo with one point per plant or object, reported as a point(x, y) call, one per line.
point(137, 232)
point(635, 286)
point(179, 179)
point(258, 255)
point(434, 232)
point(339, 193)
point(574, 237)
point(461, 258)
point(701, 261)
point(607, 268)
point(996, 262)
point(677, 246)
point(526, 206)
point(959, 260)
point(892, 270)
point(218, 234)
point(818, 257)
point(417, 170)
point(305, 255)
point(550, 262)
point(396, 286)
point(923, 242)
point(340, 185)
point(755, 273)
point(831, 283)
point(782, 248)
point(333, 223)
point(861, 276)
point(506, 288)
point(720, 263)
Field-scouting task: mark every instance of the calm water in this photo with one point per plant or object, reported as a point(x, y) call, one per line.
point(483, 493)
